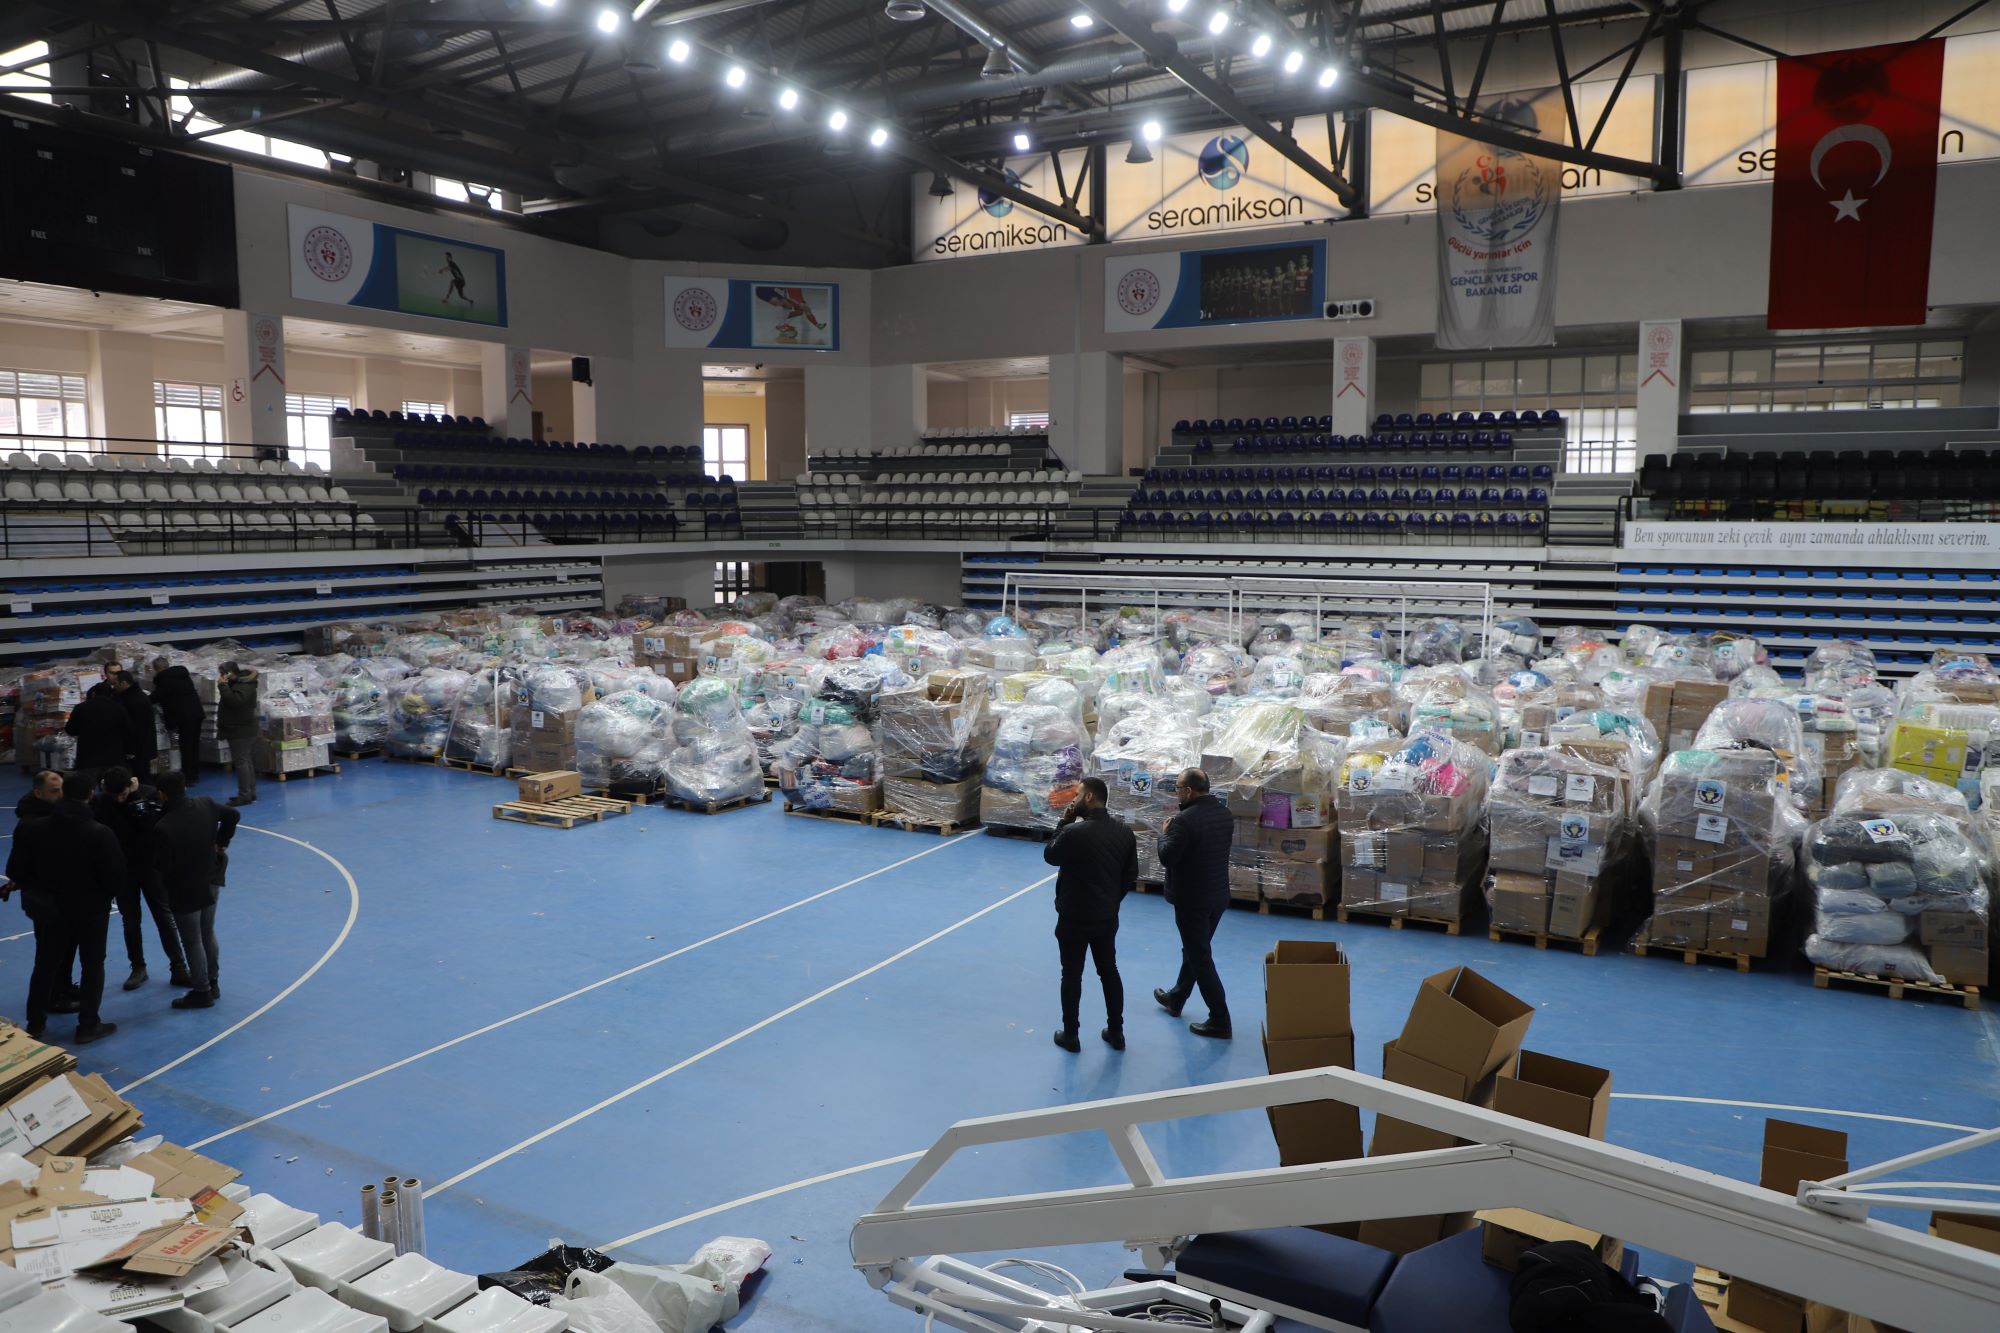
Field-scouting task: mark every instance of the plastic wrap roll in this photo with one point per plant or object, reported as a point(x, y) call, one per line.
point(390, 1222)
point(371, 1212)
point(410, 1216)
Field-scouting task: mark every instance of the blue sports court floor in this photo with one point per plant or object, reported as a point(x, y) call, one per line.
point(673, 1026)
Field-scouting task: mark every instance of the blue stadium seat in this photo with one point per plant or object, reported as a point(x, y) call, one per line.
point(1384, 421)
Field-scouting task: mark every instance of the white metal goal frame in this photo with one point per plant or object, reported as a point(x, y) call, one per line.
point(1820, 1244)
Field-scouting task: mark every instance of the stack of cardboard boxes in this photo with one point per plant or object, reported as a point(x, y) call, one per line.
point(1455, 706)
point(544, 726)
point(1717, 844)
point(1561, 1094)
point(1832, 745)
point(1308, 1024)
point(1559, 819)
point(294, 732)
point(1792, 1153)
point(1677, 708)
point(1285, 838)
point(1412, 841)
point(1542, 712)
point(673, 652)
point(931, 746)
point(1462, 1035)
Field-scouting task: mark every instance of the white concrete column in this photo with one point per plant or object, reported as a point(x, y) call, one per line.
point(120, 387)
point(1662, 369)
point(653, 400)
point(784, 429)
point(382, 387)
point(583, 411)
point(507, 388)
point(897, 405)
point(1087, 411)
point(253, 372)
point(838, 409)
point(1353, 385)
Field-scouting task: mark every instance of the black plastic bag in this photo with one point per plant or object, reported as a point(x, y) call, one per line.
point(1562, 1287)
point(545, 1275)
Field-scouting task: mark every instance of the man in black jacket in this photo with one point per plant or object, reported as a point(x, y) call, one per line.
point(173, 691)
point(142, 738)
point(187, 840)
point(103, 731)
point(75, 862)
point(1194, 851)
point(37, 805)
point(129, 809)
point(1097, 863)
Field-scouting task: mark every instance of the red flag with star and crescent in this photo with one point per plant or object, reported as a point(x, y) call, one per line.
point(1855, 187)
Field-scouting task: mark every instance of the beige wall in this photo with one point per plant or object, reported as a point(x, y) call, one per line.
point(784, 429)
point(742, 409)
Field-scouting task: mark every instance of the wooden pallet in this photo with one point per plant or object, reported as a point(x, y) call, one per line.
point(324, 770)
point(1344, 914)
point(467, 766)
point(1897, 988)
point(716, 807)
point(1266, 906)
point(1588, 944)
point(1740, 961)
point(395, 758)
point(1150, 886)
point(839, 816)
point(566, 813)
point(1026, 834)
point(606, 794)
point(918, 824)
point(363, 752)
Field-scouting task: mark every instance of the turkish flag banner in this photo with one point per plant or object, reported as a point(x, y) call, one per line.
point(1855, 186)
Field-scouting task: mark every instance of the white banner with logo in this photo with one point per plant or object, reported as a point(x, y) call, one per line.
point(971, 221)
point(1227, 181)
point(1660, 364)
point(1497, 211)
point(1902, 545)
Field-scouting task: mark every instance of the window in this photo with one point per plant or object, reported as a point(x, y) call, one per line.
point(733, 578)
point(1835, 377)
point(1028, 420)
point(33, 73)
point(725, 451)
point(1597, 395)
point(188, 417)
point(413, 408)
point(307, 429)
point(42, 409)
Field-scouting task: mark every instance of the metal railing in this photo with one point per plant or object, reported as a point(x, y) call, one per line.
point(55, 529)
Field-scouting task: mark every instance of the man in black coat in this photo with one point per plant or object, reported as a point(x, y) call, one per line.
point(187, 843)
point(142, 739)
point(129, 809)
point(103, 731)
point(1195, 854)
point(173, 692)
point(74, 862)
point(38, 804)
point(1097, 863)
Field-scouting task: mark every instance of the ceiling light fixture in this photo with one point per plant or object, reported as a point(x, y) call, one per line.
point(1262, 46)
point(608, 20)
point(789, 99)
point(1218, 23)
point(904, 11)
point(837, 121)
point(940, 186)
point(1150, 131)
point(1295, 61)
point(546, 4)
point(1176, 6)
point(1082, 22)
point(678, 51)
point(878, 136)
point(1138, 154)
point(1022, 143)
point(997, 65)
point(736, 77)
point(1328, 77)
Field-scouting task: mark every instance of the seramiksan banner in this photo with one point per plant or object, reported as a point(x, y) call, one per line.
point(970, 221)
point(1220, 181)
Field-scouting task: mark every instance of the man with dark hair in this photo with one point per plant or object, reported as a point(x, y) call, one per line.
point(75, 861)
point(103, 730)
point(37, 805)
point(129, 809)
point(1097, 863)
point(188, 842)
point(142, 731)
point(173, 691)
point(1194, 851)
point(236, 723)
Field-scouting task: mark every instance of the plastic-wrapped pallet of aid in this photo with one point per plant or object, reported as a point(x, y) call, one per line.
point(1443, 698)
point(1335, 702)
point(482, 721)
point(421, 722)
point(1140, 756)
point(1412, 836)
point(1724, 833)
point(623, 741)
point(1277, 775)
point(1560, 827)
point(714, 759)
point(1948, 725)
point(295, 731)
point(1770, 724)
point(1902, 893)
point(830, 761)
point(547, 702)
point(932, 741)
point(364, 700)
point(1434, 643)
point(1039, 753)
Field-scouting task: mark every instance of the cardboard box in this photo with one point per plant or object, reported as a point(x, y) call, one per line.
point(1374, 892)
point(1794, 1152)
point(1940, 926)
point(955, 802)
point(1246, 883)
point(1445, 898)
point(1561, 1094)
point(1520, 901)
point(1754, 1308)
point(542, 788)
point(1510, 1233)
point(1305, 884)
point(1577, 906)
point(1981, 1233)
point(1961, 965)
point(1310, 1132)
point(1393, 1136)
point(1739, 924)
point(179, 1173)
point(1306, 994)
point(856, 800)
point(1680, 919)
point(1465, 1023)
point(170, 1251)
point(1684, 861)
point(1303, 845)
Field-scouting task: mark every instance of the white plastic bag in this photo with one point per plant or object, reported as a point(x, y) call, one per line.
point(596, 1306)
point(673, 1298)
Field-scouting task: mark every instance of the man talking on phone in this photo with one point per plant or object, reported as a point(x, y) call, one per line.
point(1097, 863)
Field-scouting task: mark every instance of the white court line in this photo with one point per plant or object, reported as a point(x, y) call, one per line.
point(346, 927)
point(822, 1179)
point(22, 936)
point(581, 990)
point(730, 1040)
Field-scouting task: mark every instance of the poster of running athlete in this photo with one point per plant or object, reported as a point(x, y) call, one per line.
point(344, 260)
point(753, 314)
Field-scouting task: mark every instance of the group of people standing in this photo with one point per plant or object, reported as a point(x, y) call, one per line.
point(1097, 864)
point(100, 836)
